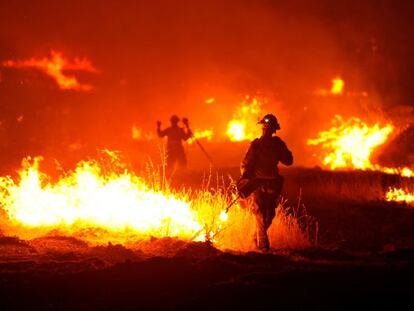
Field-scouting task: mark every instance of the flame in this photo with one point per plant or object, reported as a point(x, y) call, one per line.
point(350, 144)
point(246, 115)
point(399, 195)
point(55, 67)
point(337, 86)
point(89, 198)
point(198, 134)
point(101, 202)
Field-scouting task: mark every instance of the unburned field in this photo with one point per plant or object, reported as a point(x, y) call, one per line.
point(359, 254)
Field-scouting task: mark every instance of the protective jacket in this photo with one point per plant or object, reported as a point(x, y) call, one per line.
point(263, 156)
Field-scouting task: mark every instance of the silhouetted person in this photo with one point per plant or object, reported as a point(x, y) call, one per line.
point(175, 135)
point(260, 165)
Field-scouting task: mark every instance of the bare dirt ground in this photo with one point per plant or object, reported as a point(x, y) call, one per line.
point(364, 258)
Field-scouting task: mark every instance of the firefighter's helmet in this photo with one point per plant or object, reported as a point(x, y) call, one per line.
point(271, 120)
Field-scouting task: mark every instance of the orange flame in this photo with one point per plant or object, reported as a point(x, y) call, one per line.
point(399, 195)
point(198, 134)
point(337, 86)
point(102, 202)
point(55, 67)
point(246, 115)
point(350, 144)
point(88, 198)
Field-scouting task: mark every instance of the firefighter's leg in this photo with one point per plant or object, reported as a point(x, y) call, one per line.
point(182, 161)
point(171, 166)
point(262, 240)
point(270, 202)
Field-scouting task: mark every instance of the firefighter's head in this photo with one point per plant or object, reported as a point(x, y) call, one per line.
point(174, 120)
point(269, 123)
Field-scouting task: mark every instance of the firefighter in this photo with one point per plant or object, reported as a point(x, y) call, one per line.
point(260, 165)
point(175, 135)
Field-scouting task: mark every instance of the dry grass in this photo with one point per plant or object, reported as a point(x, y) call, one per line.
point(355, 186)
point(292, 227)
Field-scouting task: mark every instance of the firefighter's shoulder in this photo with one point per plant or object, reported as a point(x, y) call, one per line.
point(277, 139)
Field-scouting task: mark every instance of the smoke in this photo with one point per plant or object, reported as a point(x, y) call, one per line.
point(159, 58)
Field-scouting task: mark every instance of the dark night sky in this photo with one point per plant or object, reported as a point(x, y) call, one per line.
point(159, 57)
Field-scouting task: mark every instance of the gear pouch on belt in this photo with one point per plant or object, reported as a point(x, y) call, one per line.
point(246, 186)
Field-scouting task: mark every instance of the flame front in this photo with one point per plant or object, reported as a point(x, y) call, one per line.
point(54, 67)
point(89, 199)
point(101, 202)
point(246, 115)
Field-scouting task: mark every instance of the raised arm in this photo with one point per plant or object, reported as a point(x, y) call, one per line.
point(160, 132)
point(187, 131)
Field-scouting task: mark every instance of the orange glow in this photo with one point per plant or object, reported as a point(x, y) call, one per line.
point(399, 195)
point(55, 67)
point(138, 134)
point(210, 100)
point(242, 126)
point(350, 143)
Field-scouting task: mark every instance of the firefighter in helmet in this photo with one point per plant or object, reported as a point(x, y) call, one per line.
point(260, 164)
point(175, 136)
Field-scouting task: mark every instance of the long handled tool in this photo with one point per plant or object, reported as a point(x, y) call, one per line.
point(203, 150)
point(185, 121)
point(246, 186)
point(232, 203)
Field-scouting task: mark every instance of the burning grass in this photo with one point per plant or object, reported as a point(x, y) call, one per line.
point(350, 144)
point(103, 202)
